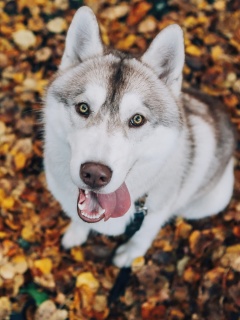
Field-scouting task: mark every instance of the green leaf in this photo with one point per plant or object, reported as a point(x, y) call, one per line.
point(23, 243)
point(38, 295)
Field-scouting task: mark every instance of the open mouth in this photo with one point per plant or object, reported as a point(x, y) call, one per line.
point(93, 207)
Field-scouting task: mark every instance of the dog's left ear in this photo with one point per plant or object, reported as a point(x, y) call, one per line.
point(83, 39)
point(166, 57)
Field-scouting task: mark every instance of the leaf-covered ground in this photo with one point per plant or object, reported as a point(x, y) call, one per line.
point(192, 270)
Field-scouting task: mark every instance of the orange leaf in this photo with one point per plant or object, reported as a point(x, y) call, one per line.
point(138, 11)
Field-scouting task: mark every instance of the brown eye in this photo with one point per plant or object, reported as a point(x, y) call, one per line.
point(137, 120)
point(83, 109)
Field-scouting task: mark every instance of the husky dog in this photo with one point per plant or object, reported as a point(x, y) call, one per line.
point(118, 127)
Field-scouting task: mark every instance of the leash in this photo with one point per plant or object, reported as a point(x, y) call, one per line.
point(125, 273)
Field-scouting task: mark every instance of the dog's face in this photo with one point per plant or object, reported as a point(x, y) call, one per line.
point(116, 113)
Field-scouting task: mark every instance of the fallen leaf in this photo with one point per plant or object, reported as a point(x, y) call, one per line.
point(44, 265)
point(7, 271)
point(115, 12)
point(137, 12)
point(24, 39)
point(57, 25)
point(87, 279)
point(5, 308)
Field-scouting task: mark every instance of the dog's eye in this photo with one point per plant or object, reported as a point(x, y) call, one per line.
point(137, 120)
point(83, 109)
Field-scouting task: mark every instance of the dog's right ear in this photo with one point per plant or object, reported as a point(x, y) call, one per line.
point(83, 39)
point(166, 56)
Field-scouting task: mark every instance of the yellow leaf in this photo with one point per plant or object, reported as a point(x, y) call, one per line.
point(193, 50)
point(217, 52)
point(190, 21)
point(87, 279)
point(100, 303)
point(77, 254)
point(20, 160)
point(19, 263)
point(126, 43)
point(28, 234)
point(183, 228)
point(138, 263)
point(211, 38)
point(5, 148)
point(105, 39)
point(234, 249)
point(18, 77)
point(202, 5)
point(203, 19)
point(41, 85)
point(44, 265)
point(219, 5)
point(18, 282)
point(5, 308)
point(8, 203)
point(3, 234)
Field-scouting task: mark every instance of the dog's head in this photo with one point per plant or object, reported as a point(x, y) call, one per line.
point(119, 115)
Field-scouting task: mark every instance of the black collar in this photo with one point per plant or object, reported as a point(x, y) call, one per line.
point(140, 212)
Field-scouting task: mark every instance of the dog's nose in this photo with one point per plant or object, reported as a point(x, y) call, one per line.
point(95, 175)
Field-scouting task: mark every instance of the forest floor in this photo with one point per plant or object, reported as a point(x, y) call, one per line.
point(192, 270)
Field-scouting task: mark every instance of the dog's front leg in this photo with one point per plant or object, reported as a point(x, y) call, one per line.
point(75, 235)
point(141, 241)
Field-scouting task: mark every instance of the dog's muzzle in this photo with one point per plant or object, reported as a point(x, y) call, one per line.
point(93, 207)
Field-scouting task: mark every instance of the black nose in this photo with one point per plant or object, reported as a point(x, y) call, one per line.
point(95, 175)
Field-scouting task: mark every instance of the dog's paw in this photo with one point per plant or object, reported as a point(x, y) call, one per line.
point(74, 236)
point(126, 253)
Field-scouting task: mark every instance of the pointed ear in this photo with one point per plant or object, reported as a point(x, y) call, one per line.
point(166, 56)
point(83, 39)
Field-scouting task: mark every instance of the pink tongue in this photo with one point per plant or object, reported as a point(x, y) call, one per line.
point(117, 203)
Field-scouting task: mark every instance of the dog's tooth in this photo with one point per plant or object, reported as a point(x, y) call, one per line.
point(102, 211)
point(81, 206)
point(86, 192)
point(92, 216)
